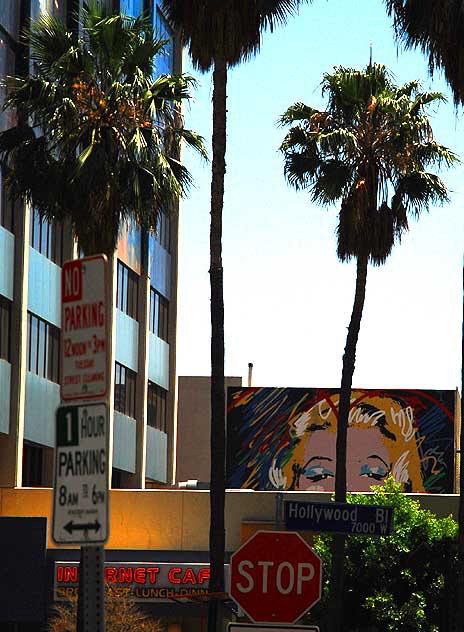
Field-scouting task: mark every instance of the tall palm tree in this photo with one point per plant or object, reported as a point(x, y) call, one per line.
point(220, 35)
point(368, 151)
point(437, 28)
point(98, 137)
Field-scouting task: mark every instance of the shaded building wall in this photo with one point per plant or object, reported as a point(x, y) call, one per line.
point(193, 427)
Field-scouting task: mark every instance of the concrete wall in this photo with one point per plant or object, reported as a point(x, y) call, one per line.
point(42, 400)
point(178, 520)
point(44, 298)
point(157, 454)
point(127, 340)
point(124, 438)
point(158, 361)
point(193, 427)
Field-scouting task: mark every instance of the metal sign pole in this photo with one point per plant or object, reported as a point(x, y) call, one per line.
point(81, 479)
point(91, 592)
point(279, 511)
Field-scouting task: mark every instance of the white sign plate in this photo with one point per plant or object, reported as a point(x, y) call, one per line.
point(84, 329)
point(80, 491)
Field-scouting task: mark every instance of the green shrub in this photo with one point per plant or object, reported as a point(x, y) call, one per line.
point(397, 583)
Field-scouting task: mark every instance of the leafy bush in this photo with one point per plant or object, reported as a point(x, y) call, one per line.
point(397, 583)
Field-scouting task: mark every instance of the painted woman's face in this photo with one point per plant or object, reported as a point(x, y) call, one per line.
point(367, 460)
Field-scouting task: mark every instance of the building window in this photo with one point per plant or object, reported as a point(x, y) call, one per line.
point(159, 314)
point(9, 16)
point(124, 390)
point(164, 61)
point(9, 31)
point(7, 207)
point(127, 292)
point(5, 328)
point(43, 348)
point(156, 407)
point(57, 8)
point(47, 237)
point(116, 479)
point(133, 8)
point(163, 230)
point(32, 465)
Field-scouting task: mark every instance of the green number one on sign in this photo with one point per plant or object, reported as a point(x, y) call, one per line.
point(67, 426)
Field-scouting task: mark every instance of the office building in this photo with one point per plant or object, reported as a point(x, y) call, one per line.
point(148, 527)
point(143, 285)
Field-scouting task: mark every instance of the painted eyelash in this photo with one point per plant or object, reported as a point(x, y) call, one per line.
point(377, 473)
point(318, 473)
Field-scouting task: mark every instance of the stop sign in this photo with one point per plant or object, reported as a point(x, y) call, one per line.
point(275, 577)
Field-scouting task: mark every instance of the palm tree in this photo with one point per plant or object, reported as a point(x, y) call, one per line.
point(98, 137)
point(437, 28)
point(368, 151)
point(220, 35)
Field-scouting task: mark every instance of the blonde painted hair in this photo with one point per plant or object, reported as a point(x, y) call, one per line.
point(393, 418)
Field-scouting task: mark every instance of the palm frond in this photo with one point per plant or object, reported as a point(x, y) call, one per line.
point(418, 190)
point(103, 131)
point(373, 137)
point(301, 168)
point(297, 112)
point(333, 182)
point(229, 30)
point(436, 27)
point(297, 138)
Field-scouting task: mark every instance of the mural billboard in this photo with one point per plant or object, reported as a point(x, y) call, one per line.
point(284, 438)
point(130, 246)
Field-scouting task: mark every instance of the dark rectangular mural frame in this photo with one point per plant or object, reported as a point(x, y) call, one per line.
point(284, 439)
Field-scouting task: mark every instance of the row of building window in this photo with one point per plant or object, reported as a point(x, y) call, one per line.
point(159, 315)
point(127, 291)
point(43, 348)
point(7, 207)
point(125, 397)
point(43, 359)
point(124, 390)
point(47, 237)
point(163, 230)
point(156, 407)
point(5, 328)
point(32, 465)
point(127, 301)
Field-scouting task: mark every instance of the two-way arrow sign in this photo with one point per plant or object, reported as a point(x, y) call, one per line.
point(91, 526)
point(80, 494)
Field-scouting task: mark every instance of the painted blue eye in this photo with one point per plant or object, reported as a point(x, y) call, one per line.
point(377, 472)
point(318, 473)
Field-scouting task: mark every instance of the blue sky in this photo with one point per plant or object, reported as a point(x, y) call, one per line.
point(287, 298)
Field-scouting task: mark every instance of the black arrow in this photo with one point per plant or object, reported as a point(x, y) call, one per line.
point(91, 526)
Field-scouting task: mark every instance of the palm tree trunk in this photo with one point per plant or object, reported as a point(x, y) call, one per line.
point(217, 484)
point(460, 547)
point(349, 358)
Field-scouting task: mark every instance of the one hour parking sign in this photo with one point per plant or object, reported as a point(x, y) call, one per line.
point(80, 494)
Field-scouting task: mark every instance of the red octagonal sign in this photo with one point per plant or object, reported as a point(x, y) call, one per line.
point(275, 577)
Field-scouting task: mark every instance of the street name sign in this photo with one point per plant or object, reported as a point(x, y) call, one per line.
point(80, 491)
point(84, 329)
point(338, 517)
point(260, 627)
point(275, 577)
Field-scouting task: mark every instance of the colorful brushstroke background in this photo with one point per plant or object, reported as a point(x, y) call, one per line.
point(130, 246)
point(260, 437)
